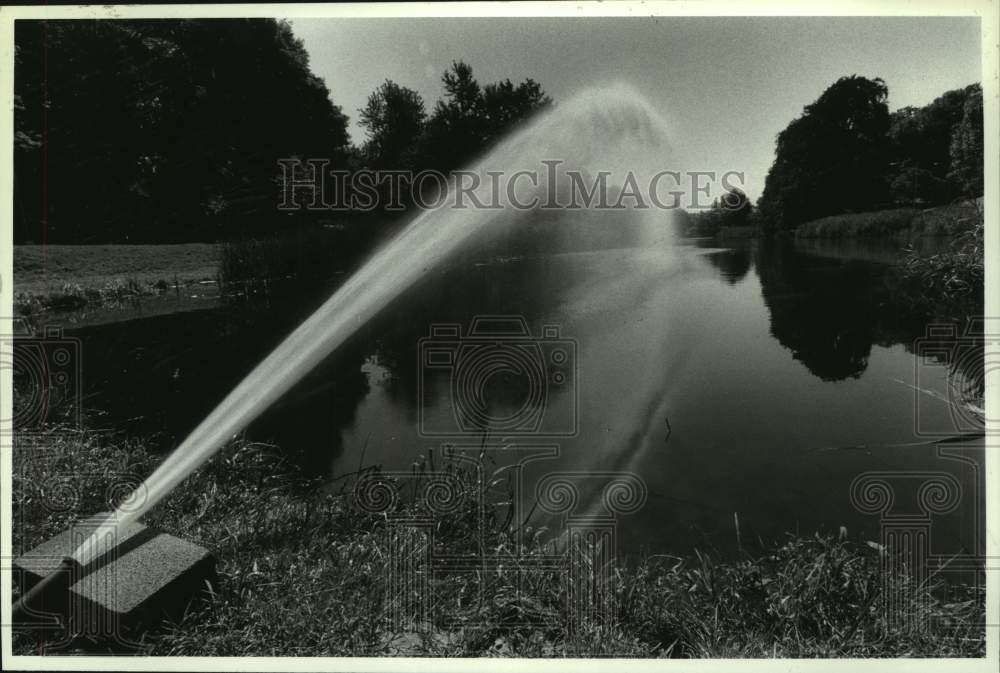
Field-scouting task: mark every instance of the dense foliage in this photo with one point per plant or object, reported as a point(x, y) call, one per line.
point(846, 154)
point(937, 150)
point(732, 211)
point(160, 130)
point(468, 119)
point(171, 130)
point(832, 158)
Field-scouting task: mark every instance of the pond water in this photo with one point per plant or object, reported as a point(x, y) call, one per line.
point(734, 394)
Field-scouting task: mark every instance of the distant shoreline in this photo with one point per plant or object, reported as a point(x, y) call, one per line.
point(60, 278)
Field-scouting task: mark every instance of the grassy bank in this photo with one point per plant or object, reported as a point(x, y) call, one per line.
point(55, 277)
point(900, 223)
point(950, 284)
point(302, 571)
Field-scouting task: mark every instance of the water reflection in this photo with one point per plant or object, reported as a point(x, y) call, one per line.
point(827, 312)
point(828, 302)
point(733, 263)
point(758, 357)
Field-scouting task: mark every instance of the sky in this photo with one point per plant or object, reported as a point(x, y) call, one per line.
point(726, 85)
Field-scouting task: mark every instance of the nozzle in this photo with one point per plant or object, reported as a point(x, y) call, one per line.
point(48, 597)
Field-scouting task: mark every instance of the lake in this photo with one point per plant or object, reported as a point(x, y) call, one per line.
point(683, 393)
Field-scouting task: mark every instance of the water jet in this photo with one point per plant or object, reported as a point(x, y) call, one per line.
point(610, 129)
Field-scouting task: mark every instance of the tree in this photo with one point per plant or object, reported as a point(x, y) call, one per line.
point(736, 208)
point(832, 158)
point(709, 222)
point(394, 121)
point(923, 153)
point(733, 209)
point(456, 130)
point(966, 148)
point(505, 104)
point(462, 89)
point(469, 118)
point(161, 130)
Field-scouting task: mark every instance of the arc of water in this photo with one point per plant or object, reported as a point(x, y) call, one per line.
point(626, 125)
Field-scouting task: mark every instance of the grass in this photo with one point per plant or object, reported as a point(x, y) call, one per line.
point(851, 225)
point(950, 286)
point(61, 277)
point(955, 275)
point(302, 571)
point(904, 223)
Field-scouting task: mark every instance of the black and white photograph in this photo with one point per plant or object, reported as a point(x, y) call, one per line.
point(422, 335)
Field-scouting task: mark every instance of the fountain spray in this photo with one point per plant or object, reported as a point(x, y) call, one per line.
point(611, 128)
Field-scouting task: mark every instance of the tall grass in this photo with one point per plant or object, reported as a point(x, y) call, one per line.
point(956, 275)
point(852, 225)
point(949, 286)
point(303, 571)
point(898, 223)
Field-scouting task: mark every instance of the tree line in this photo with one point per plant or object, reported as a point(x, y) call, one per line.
point(401, 135)
point(170, 130)
point(847, 153)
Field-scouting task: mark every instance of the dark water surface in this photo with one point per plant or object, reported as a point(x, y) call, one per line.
point(712, 385)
